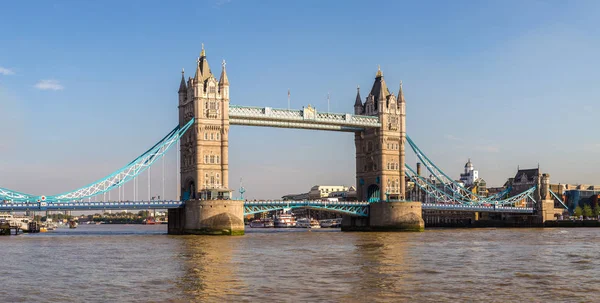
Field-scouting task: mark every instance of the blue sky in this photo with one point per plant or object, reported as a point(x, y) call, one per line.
point(87, 86)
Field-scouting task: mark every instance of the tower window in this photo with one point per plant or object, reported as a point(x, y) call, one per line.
point(217, 159)
point(205, 136)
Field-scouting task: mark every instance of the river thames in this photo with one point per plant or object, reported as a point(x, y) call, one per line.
point(137, 263)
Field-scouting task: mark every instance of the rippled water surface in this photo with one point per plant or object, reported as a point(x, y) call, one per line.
point(135, 263)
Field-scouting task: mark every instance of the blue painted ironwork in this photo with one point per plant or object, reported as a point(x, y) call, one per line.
point(477, 208)
point(449, 183)
point(360, 209)
point(112, 181)
point(558, 199)
point(11, 195)
point(306, 118)
point(81, 206)
point(443, 196)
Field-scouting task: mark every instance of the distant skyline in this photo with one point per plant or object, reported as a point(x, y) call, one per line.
point(85, 87)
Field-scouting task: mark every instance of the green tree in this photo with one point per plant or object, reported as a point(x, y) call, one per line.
point(587, 211)
point(596, 210)
point(578, 211)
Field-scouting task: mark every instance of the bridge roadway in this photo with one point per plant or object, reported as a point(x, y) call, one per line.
point(360, 209)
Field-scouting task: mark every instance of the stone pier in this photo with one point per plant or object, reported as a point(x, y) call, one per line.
point(208, 217)
point(388, 216)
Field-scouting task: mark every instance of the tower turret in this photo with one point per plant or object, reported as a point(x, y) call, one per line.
point(358, 106)
point(182, 88)
point(224, 82)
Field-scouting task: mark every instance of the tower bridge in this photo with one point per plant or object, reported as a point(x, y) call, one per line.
point(205, 204)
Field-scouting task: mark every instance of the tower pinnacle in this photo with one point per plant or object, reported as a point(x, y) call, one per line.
point(401, 94)
point(223, 80)
point(182, 86)
point(379, 73)
point(203, 53)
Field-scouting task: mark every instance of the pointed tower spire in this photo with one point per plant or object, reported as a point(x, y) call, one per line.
point(182, 86)
point(379, 90)
point(358, 101)
point(198, 75)
point(203, 65)
point(401, 94)
point(223, 80)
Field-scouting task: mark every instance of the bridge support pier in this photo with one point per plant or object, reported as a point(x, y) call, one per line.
point(208, 217)
point(388, 216)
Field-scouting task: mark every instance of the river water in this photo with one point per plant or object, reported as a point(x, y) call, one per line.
point(136, 263)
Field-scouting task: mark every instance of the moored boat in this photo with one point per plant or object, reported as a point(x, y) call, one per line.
point(284, 220)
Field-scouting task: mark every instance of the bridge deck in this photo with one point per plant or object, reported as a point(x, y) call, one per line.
point(306, 118)
point(250, 207)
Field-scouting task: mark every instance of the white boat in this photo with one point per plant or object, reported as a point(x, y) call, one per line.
point(285, 220)
point(307, 223)
point(325, 223)
point(22, 222)
point(268, 222)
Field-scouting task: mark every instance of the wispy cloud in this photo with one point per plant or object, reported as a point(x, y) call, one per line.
point(5, 71)
point(49, 85)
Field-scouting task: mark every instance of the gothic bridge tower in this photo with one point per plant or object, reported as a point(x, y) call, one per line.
point(380, 151)
point(380, 167)
point(204, 148)
point(204, 157)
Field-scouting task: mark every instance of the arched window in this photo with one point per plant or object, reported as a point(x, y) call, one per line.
point(212, 159)
point(218, 176)
point(212, 136)
point(217, 161)
point(205, 136)
point(206, 159)
point(218, 136)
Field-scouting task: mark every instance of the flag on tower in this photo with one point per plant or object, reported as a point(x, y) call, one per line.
point(288, 92)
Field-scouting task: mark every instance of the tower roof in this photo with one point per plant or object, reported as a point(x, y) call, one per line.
point(223, 80)
point(182, 86)
point(358, 101)
point(202, 69)
point(379, 89)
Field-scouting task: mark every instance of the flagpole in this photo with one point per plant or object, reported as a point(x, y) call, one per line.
point(288, 98)
point(327, 101)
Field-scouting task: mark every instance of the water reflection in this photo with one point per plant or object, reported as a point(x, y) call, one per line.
point(208, 270)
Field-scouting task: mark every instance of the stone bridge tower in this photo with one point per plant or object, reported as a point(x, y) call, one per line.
point(204, 148)
point(380, 151)
point(204, 157)
point(380, 167)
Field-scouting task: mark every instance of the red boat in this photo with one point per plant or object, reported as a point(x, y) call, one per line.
point(149, 221)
